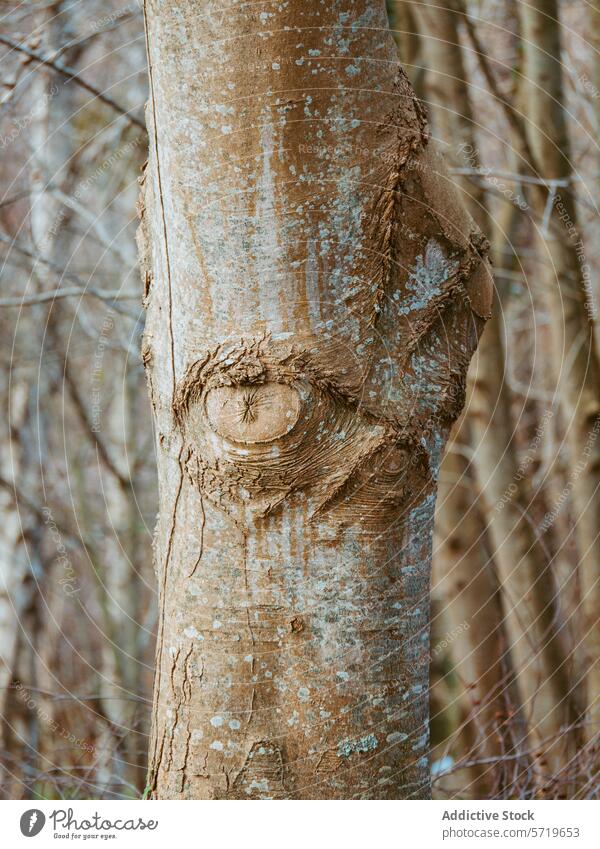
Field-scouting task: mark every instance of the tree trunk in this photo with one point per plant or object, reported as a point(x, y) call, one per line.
point(17, 594)
point(573, 311)
point(463, 562)
point(479, 645)
point(536, 625)
point(315, 291)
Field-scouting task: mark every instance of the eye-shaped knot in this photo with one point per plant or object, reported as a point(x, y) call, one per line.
point(253, 413)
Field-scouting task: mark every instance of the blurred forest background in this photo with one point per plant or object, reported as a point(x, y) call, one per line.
point(513, 94)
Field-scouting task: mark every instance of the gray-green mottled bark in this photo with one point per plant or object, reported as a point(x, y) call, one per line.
point(314, 292)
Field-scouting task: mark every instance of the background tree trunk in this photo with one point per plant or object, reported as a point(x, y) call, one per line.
point(572, 307)
point(465, 578)
point(315, 292)
point(539, 637)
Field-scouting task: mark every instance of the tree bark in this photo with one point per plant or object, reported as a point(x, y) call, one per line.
point(17, 598)
point(480, 649)
point(463, 561)
point(536, 626)
point(315, 291)
point(573, 311)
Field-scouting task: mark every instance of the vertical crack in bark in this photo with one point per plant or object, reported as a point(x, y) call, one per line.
point(160, 192)
point(202, 525)
point(154, 765)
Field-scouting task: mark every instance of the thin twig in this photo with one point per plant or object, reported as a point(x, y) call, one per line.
point(515, 178)
point(67, 292)
point(83, 288)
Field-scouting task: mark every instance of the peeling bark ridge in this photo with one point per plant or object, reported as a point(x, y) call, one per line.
point(315, 292)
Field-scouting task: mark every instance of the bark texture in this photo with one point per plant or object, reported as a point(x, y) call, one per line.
point(573, 310)
point(466, 571)
point(315, 291)
point(482, 653)
point(538, 636)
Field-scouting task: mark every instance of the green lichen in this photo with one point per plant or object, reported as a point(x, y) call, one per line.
point(349, 747)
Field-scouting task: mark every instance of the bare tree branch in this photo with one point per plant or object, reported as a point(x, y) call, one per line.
point(67, 292)
point(83, 288)
point(73, 74)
